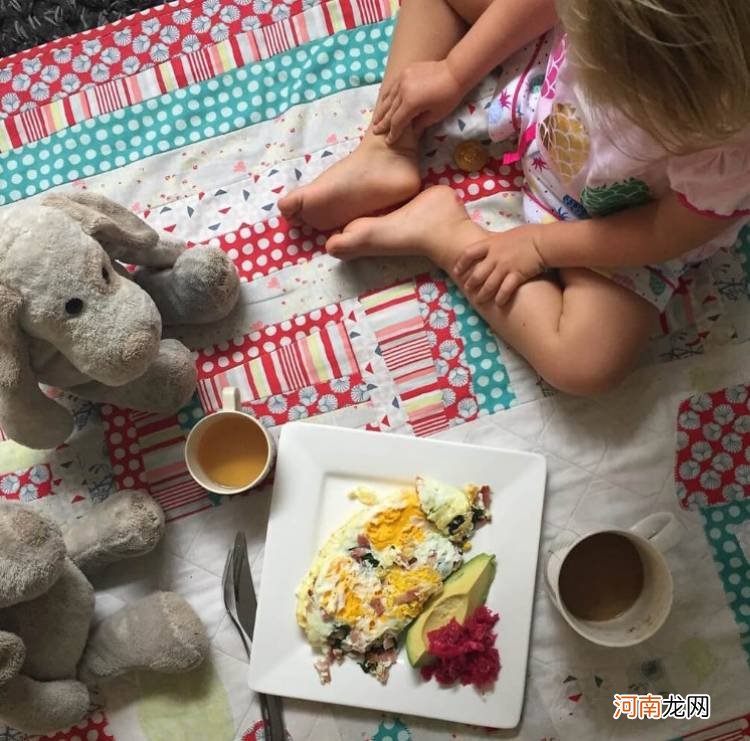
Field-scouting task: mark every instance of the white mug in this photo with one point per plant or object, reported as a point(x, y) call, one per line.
point(230, 398)
point(652, 536)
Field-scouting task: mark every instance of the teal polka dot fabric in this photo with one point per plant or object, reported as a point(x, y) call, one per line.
point(727, 527)
point(232, 101)
point(190, 415)
point(489, 377)
point(392, 729)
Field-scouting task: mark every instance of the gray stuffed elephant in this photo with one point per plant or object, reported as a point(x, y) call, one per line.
point(48, 652)
point(72, 317)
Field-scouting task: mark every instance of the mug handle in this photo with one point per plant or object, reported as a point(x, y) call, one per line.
point(661, 529)
point(230, 399)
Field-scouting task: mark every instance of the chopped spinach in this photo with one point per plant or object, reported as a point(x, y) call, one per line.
point(368, 558)
point(455, 523)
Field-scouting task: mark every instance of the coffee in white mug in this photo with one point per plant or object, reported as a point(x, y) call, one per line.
point(612, 586)
point(602, 577)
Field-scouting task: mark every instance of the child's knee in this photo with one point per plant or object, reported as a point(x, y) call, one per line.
point(586, 376)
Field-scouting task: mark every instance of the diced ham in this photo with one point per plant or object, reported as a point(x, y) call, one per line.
point(357, 641)
point(408, 596)
point(389, 641)
point(385, 661)
point(323, 667)
point(359, 553)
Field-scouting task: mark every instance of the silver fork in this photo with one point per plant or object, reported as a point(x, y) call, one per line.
point(241, 605)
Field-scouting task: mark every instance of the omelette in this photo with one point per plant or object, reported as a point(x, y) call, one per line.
point(374, 574)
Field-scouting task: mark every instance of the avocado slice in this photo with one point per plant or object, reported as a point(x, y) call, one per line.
point(462, 593)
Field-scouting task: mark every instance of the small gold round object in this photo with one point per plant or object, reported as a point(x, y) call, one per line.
point(470, 156)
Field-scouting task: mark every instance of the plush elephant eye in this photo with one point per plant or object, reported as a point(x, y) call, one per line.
point(74, 307)
point(105, 275)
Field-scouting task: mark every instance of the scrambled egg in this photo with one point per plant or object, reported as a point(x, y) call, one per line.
point(364, 494)
point(374, 574)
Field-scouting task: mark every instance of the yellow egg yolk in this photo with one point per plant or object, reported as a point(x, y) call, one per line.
point(352, 608)
point(341, 571)
point(423, 581)
point(397, 526)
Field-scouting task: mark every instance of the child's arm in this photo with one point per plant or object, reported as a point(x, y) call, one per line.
point(496, 266)
point(649, 234)
point(426, 92)
point(502, 29)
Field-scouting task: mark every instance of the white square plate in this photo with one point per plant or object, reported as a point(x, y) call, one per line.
point(317, 466)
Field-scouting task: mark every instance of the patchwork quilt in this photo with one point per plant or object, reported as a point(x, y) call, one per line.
point(198, 115)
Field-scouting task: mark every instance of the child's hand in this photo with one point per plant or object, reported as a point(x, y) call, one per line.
point(497, 266)
point(423, 94)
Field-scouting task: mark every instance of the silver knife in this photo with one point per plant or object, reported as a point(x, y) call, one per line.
point(247, 606)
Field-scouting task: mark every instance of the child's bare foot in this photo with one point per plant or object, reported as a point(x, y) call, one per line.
point(435, 225)
point(374, 176)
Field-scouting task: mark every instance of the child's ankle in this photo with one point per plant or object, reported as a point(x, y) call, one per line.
point(406, 144)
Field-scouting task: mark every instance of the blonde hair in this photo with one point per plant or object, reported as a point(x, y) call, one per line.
point(680, 69)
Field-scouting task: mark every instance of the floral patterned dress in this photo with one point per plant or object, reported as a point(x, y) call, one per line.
point(579, 163)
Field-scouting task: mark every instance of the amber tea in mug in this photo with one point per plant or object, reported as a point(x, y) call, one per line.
point(229, 451)
point(232, 452)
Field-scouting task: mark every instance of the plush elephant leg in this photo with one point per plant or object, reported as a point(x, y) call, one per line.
point(201, 287)
point(42, 707)
point(126, 524)
point(32, 554)
point(160, 632)
point(12, 655)
point(55, 626)
point(165, 387)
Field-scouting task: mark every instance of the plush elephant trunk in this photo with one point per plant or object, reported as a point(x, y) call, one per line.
point(133, 335)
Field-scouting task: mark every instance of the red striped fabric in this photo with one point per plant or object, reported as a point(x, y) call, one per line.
point(259, 340)
point(130, 45)
point(402, 338)
point(318, 357)
point(406, 350)
point(736, 729)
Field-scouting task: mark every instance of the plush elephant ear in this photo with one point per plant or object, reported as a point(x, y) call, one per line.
point(26, 414)
point(10, 362)
point(119, 231)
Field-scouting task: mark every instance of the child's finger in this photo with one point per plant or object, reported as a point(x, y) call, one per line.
point(383, 122)
point(479, 275)
point(401, 118)
point(384, 126)
point(491, 286)
point(511, 284)
point(383, 105)
point(470, 255)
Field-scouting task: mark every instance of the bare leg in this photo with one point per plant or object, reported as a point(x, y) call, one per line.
point(582, 337)
point(375, 175)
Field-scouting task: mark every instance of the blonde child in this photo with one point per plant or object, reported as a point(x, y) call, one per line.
point(642, 123)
